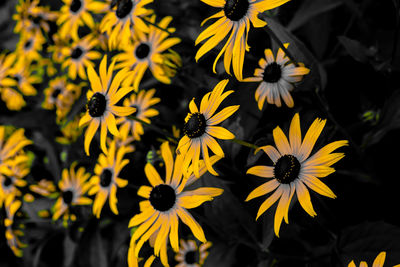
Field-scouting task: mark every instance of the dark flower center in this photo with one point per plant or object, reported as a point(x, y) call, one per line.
point(17, 78)
point(136, 112)
point(75, 5)
point(113, 3)
point(287, 169)
point(36, 20)
point(142, 51)
point(55, 93)
point(272, 73)
point(97, 105)
point(236, 9)
point(195, 126)
point(28, 44)
point(67, 196)
point(191, 257)
point(162, 197)
point(76, 53)
point(7, 181)
point(124, 7)
point(105, 178)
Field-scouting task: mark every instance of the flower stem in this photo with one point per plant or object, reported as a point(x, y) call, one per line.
point(244, 143)
point(168, 135)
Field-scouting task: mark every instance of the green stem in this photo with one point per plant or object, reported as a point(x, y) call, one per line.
point(168, 135)
point(244, 143)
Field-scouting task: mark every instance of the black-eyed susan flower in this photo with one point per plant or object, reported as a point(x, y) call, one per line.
point(167, 202)
point(101, 37)
point(124, 16)
point(191, 255)
point(61, 95)
point(10, 150)
point(24, 78)
point(104, 93)
point(9, 184)
point(73, 186)
point(276, 77)
point(12, 235)
point(201, 129)
point(146, 52)
point(76, 13)
point(30, 46)
point(234, 17)
point(378, 262)
point(106, 181)
point(142, 102)
point(294, 169)
point(79, 56)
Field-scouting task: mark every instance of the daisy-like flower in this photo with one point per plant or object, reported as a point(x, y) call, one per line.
point(234, 17)
point(9, 183)
point(276, 77)
point(201, 129)
point(76, 13)
point(294, 169)
point(191, 255)
point(11, 150)
point(61, 95)
point(378, 262)
point(142, 102)
point(147, 51)
point(12, 235)
point(79, 56)
point(166, 201)
point(13, 99)
point(73, 186)
point(123, 16)
point(106, 181)
point(30, 46)
point(24, 77)
point(102, 97)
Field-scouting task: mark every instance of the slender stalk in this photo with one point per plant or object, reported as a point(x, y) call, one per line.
point(168, 135)
point(244, 143)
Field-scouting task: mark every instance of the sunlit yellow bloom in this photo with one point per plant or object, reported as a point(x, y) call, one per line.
point(70, 132)
point(76, 13)
point(233, 19)
point(147, 51)
point(201, 129)
point(11, 150)
point(294, 169)
point(100, 36)
point(142, 102)
point(191, 255)
point(126, 14)
point(61, 95)
point(29, 47)
point(24, 78)
point(167, 202)
point(106, 181)
point(13, 99)
point(73, 186)
point(31, 17)
point(276, 77)
point(378, 262)
point(79, 56)
point(57, 48)
point(104, 93)
point(9, 183)
point(12, 235)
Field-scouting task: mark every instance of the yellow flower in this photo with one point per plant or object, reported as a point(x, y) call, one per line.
point(61, 95)
point(102, 97)
point(276, 77)
point(80, 56)
point(142, 102)
point(29, 47)
point(191, 255)
point(166, 201)
point(123, 16)
point(11, 150)
point(44, 188)
point(201, 129)
point(378, 262)
point(9, 183)
point(294, 169)
point(146, 51)
point(12, 235)
point(234, 17)
point(73, 187)
point(24, 77)
point(13, 99)
point(75, 13)
point(106, 181)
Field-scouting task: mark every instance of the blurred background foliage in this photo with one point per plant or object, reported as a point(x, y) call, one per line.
point(353, 50)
